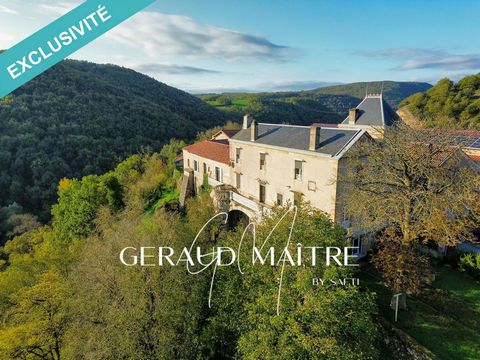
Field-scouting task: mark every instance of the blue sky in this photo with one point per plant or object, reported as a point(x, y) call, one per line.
point(253, 45)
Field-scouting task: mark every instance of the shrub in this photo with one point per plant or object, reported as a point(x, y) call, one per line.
point(470, 263)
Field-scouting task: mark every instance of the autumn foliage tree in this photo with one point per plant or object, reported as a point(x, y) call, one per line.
point(411, 189)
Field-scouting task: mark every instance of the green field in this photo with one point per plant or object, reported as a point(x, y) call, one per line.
point(459, 284)
point(445, 319)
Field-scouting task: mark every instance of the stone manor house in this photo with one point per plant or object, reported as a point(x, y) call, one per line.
point(263, 165)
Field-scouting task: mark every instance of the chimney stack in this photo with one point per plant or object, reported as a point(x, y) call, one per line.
point(254, 130)
point(247, 119)
point(314, 137)
point(352, 116)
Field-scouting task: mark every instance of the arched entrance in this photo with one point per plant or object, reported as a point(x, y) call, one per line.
point(237, 217)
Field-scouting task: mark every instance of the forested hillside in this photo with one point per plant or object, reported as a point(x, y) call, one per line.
point(393, 91)
point(80, 118)
point(325, 105)
point(448, 104)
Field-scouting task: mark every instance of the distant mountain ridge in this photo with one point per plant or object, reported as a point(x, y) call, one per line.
point(326, 104)
point(393, 91)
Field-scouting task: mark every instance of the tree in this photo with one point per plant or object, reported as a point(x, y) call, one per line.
point(22, 223)
point(37, 321)
point(448, 105)
point(135, 312)
point(313, 322)
point(79, 202)
point(412, 189)
point(34, 312)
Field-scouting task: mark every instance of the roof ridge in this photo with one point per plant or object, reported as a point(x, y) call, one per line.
point(285, 125)
point(322, 126)
point(382, 111)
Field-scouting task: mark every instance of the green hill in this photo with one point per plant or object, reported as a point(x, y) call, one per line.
point(291, 108)
point(80, 118)
point(448, 104)
point(326, 105)
point(393, 91)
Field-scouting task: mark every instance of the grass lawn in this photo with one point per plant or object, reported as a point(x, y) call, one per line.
point(459, 284)
point(442, 334)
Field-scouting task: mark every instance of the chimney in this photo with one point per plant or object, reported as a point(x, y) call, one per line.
point(314, 137)
point(254, 130)
point(352, 116)
point(247, 119)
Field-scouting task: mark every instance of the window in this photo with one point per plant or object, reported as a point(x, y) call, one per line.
point(263, 157)
point(357, 245)
point(195, 165)
point(237, 155)
point(188, 162)
point(238, 180)
point(204, 168)
point(312, 186)
point(298, 169)
point(218, 174)
point(279, 199)
point(262, 193)
point(297, 198)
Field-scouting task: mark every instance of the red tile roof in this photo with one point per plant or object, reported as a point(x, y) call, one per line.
point(212, 150)
point(474, 157)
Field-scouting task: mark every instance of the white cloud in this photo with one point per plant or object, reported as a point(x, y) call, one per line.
point(428, 59)
point(293, 85)
point(272, 86)
point(166, 36)
point(58, 9)
point(8, 10)
point(154, 68)
point(7, 41)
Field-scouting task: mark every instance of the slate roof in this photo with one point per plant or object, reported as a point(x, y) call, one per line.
point(212, 150)
point(332, 139)
point(374, 111)
point(469, 139)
